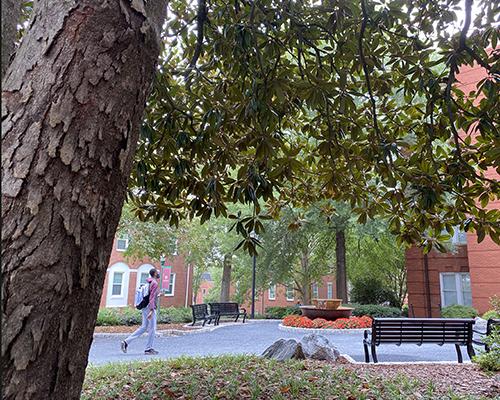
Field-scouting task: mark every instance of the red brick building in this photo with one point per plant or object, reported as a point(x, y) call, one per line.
point(286, 296)
point(123, 276)
point(205, 286)
point(471, 274)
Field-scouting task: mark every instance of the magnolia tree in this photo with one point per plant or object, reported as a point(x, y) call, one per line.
point(283, 102)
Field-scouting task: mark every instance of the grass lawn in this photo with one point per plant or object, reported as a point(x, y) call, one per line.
point(247, 377)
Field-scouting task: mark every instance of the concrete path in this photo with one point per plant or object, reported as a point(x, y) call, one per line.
point(254, 337)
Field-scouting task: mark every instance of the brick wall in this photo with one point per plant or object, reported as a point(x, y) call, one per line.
point(438, 262)
point(262, 300)
point(484, 257)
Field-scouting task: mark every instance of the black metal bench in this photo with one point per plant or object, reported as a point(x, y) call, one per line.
point(490, 325)
point(227, 310)
point(419, 331)
point(200, 313)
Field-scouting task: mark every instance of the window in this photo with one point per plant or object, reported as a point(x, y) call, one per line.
point(203, 291)
point(455, 289)
point(122, 242)
point(329, 290)
point(272, 292)
point(117, 284)
point(289, 293)
point(171, 286)
point(143, 278)
point(315, 291)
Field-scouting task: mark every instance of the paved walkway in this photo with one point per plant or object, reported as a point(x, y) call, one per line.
point(254, 337)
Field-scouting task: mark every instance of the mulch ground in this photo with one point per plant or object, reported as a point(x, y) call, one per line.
point(465, 379)
point(132, 328)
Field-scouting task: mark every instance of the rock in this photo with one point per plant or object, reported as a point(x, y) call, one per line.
point(311, 346)
point(284, 350)
point(318, 347)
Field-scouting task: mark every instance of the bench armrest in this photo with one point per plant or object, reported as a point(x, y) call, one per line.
point(480, 332)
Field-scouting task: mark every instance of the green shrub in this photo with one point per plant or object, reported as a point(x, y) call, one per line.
point(108, 317)
point(491, 314)
point(370, 290)
point(490, 361)
point(405, 310)
point(375, 311)
point(175, 315)
point(281, 312)
point(458, 311)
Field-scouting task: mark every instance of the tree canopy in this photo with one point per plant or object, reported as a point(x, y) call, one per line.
point(289, 102)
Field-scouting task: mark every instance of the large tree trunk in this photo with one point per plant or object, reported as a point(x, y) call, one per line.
point(72, 104)
point(341, 275)
point(226, 278)
point(11, 14)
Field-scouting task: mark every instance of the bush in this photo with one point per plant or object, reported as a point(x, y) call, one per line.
point(131, 316)
point(490, 361)
point(405, 310)
point(320, 323)
point(375, 311)
point(281, 312)
point(175, 315)
point(108, 317)
point(370, 290)
point(491, 314)
point(458, 311)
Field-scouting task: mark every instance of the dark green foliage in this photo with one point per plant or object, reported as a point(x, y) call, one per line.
point(370, 290)
point(281, 312)
point(291, 102)
point(131, 316)
point(404, 310)
point(375, 311)
point(458, 311)
point(490, 361)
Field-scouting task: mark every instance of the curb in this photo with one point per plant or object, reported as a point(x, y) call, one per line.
point(178, 332)
point(282, 327)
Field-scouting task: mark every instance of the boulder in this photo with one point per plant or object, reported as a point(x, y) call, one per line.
point(317, 347)
point(284, 349)
point(311, 346)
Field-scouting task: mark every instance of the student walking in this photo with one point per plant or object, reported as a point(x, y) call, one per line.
point(148, 316)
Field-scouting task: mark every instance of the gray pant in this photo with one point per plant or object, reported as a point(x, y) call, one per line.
point(148, 325)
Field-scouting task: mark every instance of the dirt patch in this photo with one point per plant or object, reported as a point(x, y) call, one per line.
point(466, 379)
point(132, 328)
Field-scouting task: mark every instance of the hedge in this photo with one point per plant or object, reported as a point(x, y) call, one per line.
point(458, 311)
point(131, 316)
point(281, 312)
point(375, 311)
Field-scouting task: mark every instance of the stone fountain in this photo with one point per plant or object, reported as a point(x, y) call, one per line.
point(329, 309)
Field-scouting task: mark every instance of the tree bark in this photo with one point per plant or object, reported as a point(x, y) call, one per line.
point(11, 14)
point(341, 273)
point(72, 104)
point(226, 278)
point(306, 279)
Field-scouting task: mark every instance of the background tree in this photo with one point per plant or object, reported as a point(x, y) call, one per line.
point(297, 249)
point(374, 255)
point(72, 103)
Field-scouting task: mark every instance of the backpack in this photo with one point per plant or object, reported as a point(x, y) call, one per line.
point(142, 296)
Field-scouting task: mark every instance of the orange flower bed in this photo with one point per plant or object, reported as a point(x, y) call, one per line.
point(298, 321)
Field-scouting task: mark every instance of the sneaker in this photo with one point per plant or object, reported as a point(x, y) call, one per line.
point(124, 346)
point(151, 351)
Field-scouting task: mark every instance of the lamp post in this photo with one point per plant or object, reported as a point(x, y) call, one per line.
point(254, 265)
point(162, 264)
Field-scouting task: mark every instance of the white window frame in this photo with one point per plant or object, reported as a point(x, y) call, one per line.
point(289, 288)
point(315, 291)
point(113, 284)
point(172, 281)
point(124, 237)
point(329, 290)
point(273, 297)
point(458, 287)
